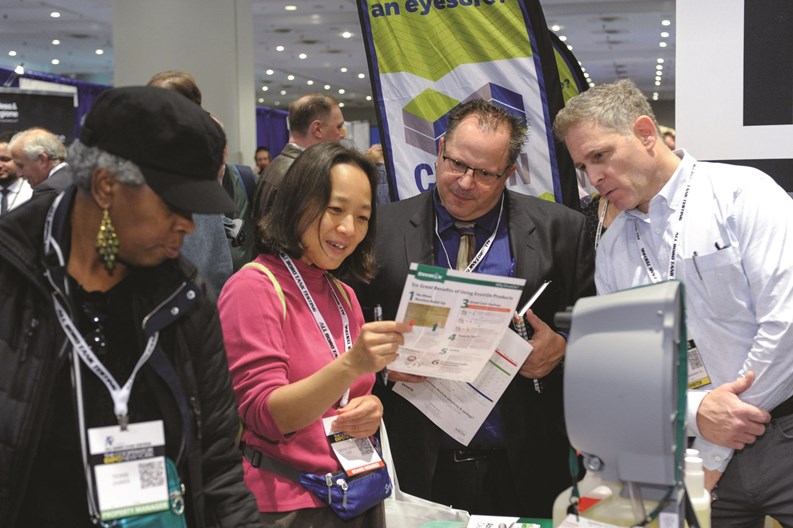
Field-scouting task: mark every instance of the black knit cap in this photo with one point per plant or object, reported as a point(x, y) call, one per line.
point(175, 143)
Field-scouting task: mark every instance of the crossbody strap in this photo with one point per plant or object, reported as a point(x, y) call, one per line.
point(276, 285)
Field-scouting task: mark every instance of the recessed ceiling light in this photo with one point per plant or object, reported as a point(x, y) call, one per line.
point(361, 75)
point(342, 90)
point(659, 66)
point(19, 69)
point(570, 47)
point(556, 27)
point(591, 85)
point(662, 44)
point(56, 61)
point(660, 60)
point(562, 38)
point(327, 87)
point(346, 34)
point(55, 14)
point(302, 56)
point(666, 22)
point(279, 48)
point(12, 53)
point(658, 83)
point(56, 42)
point(309, 82)
point(655, 96)
point(368, 97)
point(261, 99)
point(658, 77)
point(343, 70)
point(283, 92)
point(265, 88)
point(290, 8)
point(664, 34)
point(269, 72)
point(341, 105)
point(278, 103)
point(290, 77)
point(100, 52)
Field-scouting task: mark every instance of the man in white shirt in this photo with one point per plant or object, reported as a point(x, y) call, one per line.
point(40, 158)
point(14, 191)
point(726, 232)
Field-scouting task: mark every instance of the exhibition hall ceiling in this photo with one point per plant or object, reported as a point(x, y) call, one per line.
point(612, 39)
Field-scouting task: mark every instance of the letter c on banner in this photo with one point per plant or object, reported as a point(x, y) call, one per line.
point(418, 174)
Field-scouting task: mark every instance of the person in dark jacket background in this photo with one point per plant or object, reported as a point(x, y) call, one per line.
point(93, 294)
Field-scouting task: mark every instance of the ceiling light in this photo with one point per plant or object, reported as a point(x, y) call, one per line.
point(56, 61)
point(55, 42)
point(660, 60)
point(664, 34)
point(591, 85)
point(658, 77)
point(302, 56)
point(655, 96)
point(341, 105)
point(361, 75)
point(341, 91)
point(279, 48)
point(20, 69)
point(368, 97)
point(269, 72)
point(556, 27)
point(346, 34)
point(290, 8)
point(662, 44)
point(658, 83)
point(343, 70)
point(290, 77)
point(283, 92)
point(659, 66)
point(327, 87)
point(570, 47)
point(12, 53)
point(261, 99)
point(562, 38)
point(666, 22)
point(278, 103)
point(55, 14)
point(309, 82)
point(100, 52)
point(265, 88)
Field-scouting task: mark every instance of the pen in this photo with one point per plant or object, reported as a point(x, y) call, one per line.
point(534, 297)
point(377, 311)
point(520, 324)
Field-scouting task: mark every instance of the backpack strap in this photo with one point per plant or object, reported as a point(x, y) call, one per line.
point(340, 287)
point(276, 285)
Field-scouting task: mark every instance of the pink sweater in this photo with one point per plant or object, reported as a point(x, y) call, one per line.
point(266, 351)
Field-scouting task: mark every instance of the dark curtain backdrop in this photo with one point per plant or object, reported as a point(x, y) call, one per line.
point(86, 92)
point(271, 130)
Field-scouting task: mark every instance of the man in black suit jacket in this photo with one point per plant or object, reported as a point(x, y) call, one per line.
point(517, 463)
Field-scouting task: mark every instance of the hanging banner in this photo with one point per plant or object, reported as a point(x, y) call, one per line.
point(428, 56)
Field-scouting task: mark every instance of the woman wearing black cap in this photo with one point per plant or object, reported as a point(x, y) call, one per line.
point(115, 399)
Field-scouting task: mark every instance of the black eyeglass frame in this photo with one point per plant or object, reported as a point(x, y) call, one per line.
point(461, 169)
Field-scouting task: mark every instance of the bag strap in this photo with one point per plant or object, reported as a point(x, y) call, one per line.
point(258, 459)
point(276, 285)
point(340, 287)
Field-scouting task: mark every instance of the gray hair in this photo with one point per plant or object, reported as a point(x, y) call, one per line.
point(37, 141)
point(614, 106)
point(84, 160)
point(490, 117)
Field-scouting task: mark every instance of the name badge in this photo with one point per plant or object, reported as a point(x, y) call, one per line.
point(697, 373)
point(129, 469)
point(356, 455)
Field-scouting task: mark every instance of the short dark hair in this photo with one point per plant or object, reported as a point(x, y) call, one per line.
point(179, 81)
point(303, 195)
point(261, 148)
point(490, 116)
point(308, 109)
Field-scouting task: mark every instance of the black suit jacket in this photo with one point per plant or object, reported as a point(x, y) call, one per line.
point(58, 180)
point(548, 242)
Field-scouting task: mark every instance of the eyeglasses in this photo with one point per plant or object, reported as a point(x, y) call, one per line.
point(482, 176)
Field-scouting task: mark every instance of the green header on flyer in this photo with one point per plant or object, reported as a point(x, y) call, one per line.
point(425, 272)
point(430, 38)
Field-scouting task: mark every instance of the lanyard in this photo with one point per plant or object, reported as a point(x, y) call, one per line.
point(323, 327)
point(648, 265)
point(480, 256)
point(601, 220)
point(119, 394)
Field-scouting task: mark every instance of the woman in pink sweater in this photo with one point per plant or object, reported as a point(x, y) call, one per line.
point(286, 373)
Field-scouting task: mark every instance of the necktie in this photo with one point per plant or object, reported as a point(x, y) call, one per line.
point(467, 244)
point(4, 201)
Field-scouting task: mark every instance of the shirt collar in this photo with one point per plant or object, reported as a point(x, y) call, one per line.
point(672, 192)
point(487, 222)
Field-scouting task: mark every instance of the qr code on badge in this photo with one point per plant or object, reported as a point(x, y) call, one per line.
point(152, 474)
point(694, 362)
point(364, 445)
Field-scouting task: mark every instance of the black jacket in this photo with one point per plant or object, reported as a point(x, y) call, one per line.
point(33, 348)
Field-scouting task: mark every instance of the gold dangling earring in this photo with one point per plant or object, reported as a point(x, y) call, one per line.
point(107, 242)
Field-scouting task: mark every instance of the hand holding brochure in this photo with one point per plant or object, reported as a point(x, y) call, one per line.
point(458, 319)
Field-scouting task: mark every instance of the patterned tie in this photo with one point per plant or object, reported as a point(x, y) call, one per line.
point(467, 244)
point(4, 200)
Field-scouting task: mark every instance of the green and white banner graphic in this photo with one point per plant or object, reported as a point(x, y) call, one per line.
point(428, 56)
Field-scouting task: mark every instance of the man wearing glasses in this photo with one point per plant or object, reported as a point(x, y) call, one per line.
point(517, 463)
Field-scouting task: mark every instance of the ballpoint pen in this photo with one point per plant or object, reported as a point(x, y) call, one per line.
point(520, 324)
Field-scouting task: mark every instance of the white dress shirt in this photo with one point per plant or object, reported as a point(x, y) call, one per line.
point(19, 192)
point(735, 258)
